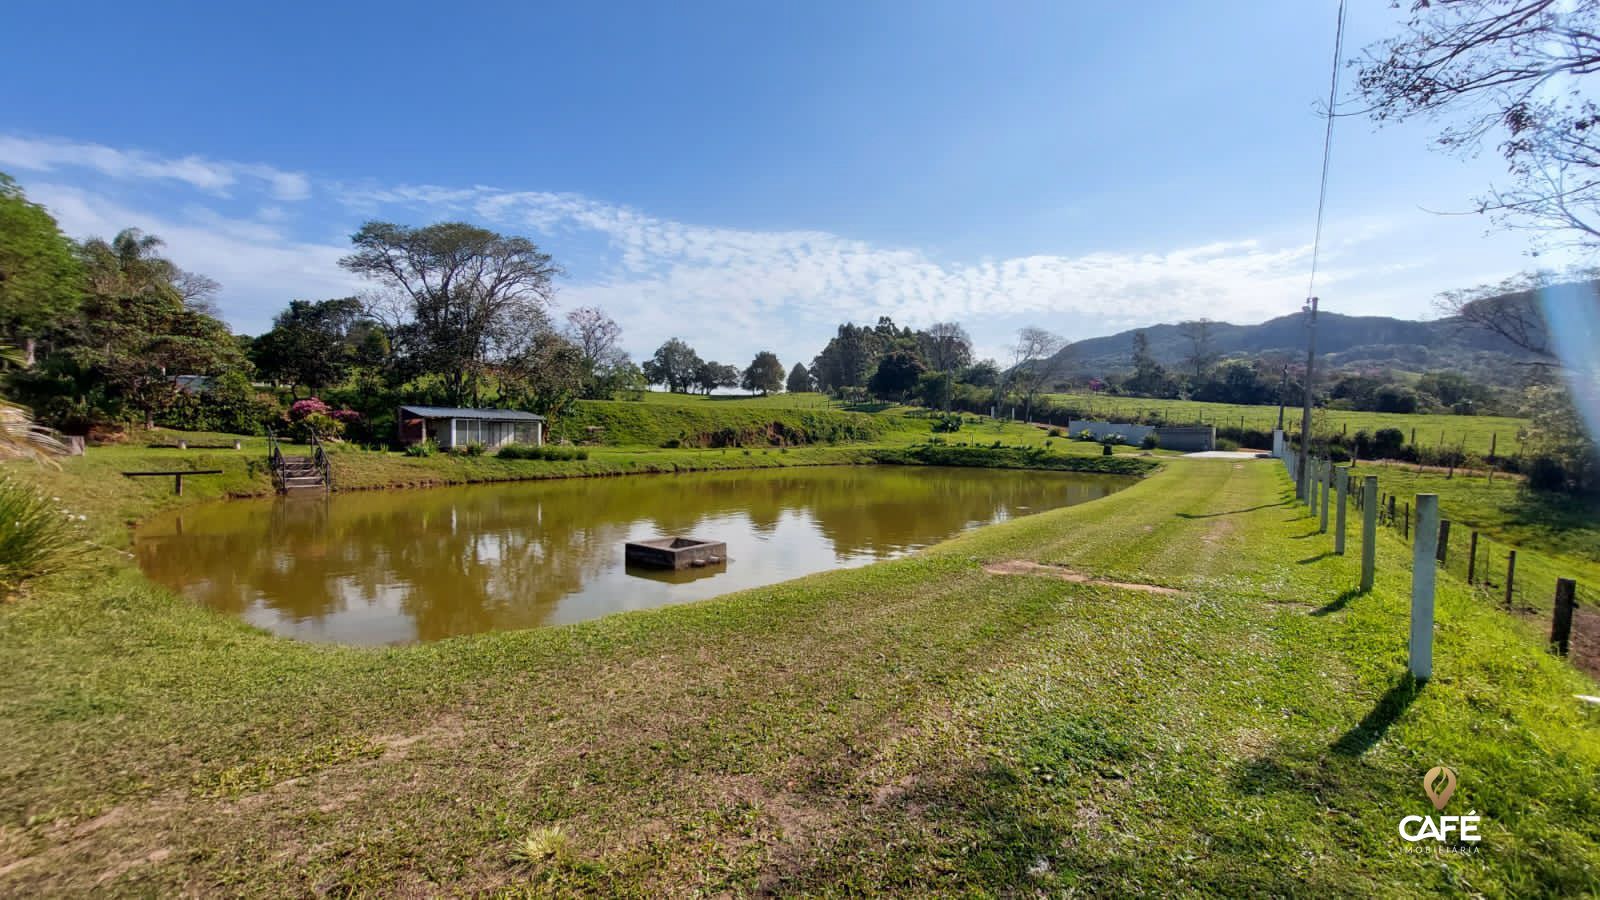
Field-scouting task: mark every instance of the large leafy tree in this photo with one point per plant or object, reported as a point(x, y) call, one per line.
point(137, 343)
point(896, 375)
point(40, 276)
point(311, 344)
point(709, 375)
point(764, 374)
point(1513, 73)
point(458, 299)
point(674, 364)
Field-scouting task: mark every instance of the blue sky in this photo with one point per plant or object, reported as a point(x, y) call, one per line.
point(747, 175)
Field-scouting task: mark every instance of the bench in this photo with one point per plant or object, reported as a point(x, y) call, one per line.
point(177, 477)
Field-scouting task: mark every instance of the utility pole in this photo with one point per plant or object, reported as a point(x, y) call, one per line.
point(1283, 388)
point(1305, 419)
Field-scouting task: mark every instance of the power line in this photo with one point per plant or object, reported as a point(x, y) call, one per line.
point(1327, 147)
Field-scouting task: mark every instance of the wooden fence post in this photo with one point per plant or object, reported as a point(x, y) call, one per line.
point(1342, 480)
point(1561, 624)
point(1472, 557)
point(1422, 581)
point(1407, 532)
point(1444, 541)
point(1511, 575)
point(1369, 531)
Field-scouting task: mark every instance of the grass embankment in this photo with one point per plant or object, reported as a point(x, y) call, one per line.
point(1473, 433)
point(916, 726)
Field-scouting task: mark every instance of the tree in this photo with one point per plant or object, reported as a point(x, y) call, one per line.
point(674, 365)
point(946, 347)
point(460, 297)
point(138, 343)
point(40, 277)
point(1564, 452)
point(310, 343)
point(1149, 377)
point(1202, 355)
point(596, 335)
point(764, 374)
point(896, 375)
point(545, 376)
point(800, 381)
point(1511, 71)
point(1036, 358)
point(982, 374)
point(709, 376)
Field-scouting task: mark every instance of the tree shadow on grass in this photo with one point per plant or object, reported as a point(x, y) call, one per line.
point(1231, 512)
point(1312, 559)
point(1337, 603)
point(1372, 727)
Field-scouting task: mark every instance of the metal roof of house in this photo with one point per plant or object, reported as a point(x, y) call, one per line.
point(452, 412)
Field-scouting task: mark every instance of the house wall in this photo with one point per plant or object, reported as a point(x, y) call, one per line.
point(412, 429)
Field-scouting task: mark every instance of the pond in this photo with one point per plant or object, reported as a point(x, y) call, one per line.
point(388, 567)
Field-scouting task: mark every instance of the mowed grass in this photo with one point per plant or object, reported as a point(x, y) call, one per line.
point(919, 726)
point(1474, 433)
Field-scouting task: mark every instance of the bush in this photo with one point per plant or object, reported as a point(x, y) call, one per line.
point(422, 449)
point(544, 452)
point(35, 536)
point(1150, 441)
point(475, 448)
point(1545, 473)
point(1387, 443)
point(1086, 435)
point(1055, 432)
point(947, 424)
point(1113, 439)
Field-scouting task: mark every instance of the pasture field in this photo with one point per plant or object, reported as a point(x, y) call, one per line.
point(1473, 433)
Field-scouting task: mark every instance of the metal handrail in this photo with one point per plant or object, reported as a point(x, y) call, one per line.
point(320, 456)
point(274, 459)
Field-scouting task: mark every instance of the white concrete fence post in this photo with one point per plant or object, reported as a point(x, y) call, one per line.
point(1369, 531)
point(1341, 478)
point(1324, 478)
point(1424, 548)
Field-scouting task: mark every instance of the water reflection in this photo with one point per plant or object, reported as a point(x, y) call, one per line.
point(387, 567)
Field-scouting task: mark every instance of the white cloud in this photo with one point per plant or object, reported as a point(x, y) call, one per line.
point(211, 176)
point(733, 291)
point(259, 268)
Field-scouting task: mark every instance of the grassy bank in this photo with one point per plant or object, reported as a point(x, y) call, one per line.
point(925, 725)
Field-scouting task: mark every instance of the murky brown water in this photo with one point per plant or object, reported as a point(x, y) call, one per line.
point(398, 566)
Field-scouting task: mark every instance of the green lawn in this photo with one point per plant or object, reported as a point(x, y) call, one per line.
point(1474, 432)
point(919, 726)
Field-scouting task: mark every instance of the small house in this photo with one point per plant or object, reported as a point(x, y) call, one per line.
point(451, 427)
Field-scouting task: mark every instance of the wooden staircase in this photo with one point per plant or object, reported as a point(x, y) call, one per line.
point(291, 474)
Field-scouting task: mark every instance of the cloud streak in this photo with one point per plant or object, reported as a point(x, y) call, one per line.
point(211, 176)
point(728, 291)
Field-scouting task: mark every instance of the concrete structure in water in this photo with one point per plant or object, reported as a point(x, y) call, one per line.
point(675, 552)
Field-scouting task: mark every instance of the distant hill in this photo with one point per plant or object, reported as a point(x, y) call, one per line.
point(1344, 342)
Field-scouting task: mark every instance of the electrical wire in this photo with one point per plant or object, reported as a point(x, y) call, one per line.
point(1327, 148)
